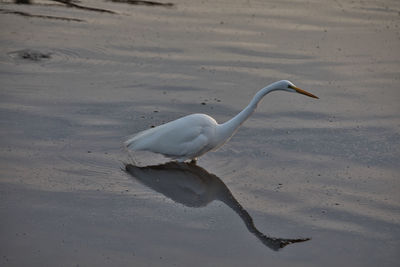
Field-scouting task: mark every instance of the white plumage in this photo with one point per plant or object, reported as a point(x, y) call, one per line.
point(189, 137)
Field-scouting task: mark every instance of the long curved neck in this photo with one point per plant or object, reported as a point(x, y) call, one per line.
point(227, 129)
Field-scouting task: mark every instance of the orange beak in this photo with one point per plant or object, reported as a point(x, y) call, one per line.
point(301, 91)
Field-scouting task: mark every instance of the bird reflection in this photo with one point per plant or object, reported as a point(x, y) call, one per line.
point(193, 186)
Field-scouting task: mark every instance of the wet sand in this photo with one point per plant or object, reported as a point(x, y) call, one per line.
point(76, 82)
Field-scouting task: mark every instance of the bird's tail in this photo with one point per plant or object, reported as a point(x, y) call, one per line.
point(133, 140)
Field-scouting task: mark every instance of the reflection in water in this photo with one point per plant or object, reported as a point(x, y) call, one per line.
point(193, 186)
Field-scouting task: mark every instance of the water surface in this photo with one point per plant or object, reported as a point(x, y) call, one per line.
point(73, 89)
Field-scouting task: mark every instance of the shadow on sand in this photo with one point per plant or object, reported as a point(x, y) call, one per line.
point(193, 186)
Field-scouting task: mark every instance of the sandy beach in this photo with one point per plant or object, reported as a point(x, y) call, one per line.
point(304, 182)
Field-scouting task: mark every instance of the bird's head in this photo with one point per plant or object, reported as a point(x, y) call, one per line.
point(290, 87)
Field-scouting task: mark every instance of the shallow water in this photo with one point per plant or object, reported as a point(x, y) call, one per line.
point(327, 169)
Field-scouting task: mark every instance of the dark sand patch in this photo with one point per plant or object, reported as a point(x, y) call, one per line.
point(26, 14)
point(143, 3)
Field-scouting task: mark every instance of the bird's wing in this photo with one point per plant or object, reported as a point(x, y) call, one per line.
point(183, 138)
point(180, 143)
point(193, 148)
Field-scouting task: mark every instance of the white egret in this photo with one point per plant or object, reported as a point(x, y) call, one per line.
point(192, 136)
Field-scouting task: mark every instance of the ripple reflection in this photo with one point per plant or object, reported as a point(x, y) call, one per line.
point(193, 186)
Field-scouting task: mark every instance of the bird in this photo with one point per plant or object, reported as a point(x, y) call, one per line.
point(191, 136)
